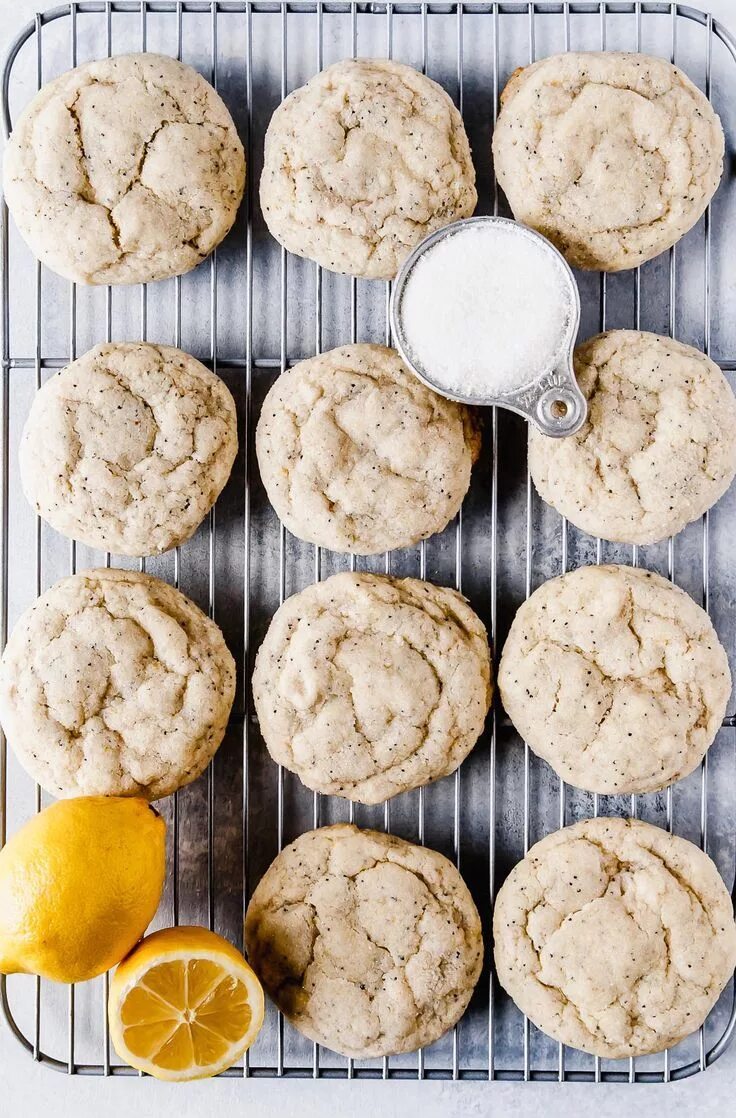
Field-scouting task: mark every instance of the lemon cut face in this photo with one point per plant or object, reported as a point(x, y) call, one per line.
point(184, 1005)
point(185, 1015)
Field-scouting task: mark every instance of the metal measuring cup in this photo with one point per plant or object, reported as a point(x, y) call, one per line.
point(551, 399)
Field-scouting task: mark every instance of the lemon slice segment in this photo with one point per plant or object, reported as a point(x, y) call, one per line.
point(184, 1005)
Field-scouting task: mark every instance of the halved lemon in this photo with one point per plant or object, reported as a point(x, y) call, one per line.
point(184, 1005)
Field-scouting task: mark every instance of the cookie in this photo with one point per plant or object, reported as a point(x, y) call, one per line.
point(124, 170)
point(366, 686)
point(369, 945)
point(113, 683)
point(128, 448)
point(362, 163)
point(657, 449)
point(612, 156)
point(615, 937)
point(357, 455)
point(616, 678)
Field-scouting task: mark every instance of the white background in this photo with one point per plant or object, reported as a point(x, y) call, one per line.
point(29, 1091)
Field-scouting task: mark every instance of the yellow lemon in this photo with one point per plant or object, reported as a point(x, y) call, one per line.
point(79, 885)
point(184, 1005)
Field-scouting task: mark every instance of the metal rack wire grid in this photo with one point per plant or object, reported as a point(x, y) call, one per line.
point(251, 311)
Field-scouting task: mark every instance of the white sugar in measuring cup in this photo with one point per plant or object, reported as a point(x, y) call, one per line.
point(549, 397)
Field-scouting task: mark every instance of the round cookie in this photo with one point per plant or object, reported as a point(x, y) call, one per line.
point(366, 686)
point(357, 455)
point(612, 156)
point(113, 683)
point(362, 163)
point(124, 170)
point(368, 944)
point(657, 448)
point(614, 937)
point(616, 678)
point(128, 448)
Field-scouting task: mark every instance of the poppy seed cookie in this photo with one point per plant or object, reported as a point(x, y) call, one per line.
point(362, 163)
point(612, 156)
point(366, 686)
point(113, 683)
point(368, 944)
point(124, 170)
point(357, 455)
point(658, 447)
point(616, 678)
point(614, 937)
point(128, 448)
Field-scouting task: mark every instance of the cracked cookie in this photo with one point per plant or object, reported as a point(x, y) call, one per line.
point(616, 678)
point(366, 686)
point(362, 163)
point(113, 683)
point(128, 448)
point(357, 455)
point(369, 944)
point(658, 447)
point(612, 156)
point(124, 170)
point(614, 937)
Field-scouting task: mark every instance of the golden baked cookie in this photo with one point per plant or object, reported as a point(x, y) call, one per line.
point(113, 683)
point(366, 686)
point(369, 944)
point(362, 163)
point(124, 170)
point(357, 455)
point(128, 448)
point(658, 447)
point(614, 937)
point(616, 678)
point(612, 156)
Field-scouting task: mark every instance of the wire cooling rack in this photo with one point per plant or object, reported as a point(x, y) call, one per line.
point(250, 312)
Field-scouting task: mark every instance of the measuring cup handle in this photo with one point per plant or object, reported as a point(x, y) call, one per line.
point(560, 408)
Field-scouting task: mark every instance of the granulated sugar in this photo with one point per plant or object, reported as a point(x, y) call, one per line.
point(486, 310)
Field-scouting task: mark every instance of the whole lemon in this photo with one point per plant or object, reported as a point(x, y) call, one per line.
point(79, 884)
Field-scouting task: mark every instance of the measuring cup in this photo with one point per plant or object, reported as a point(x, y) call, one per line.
point(551, 398)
